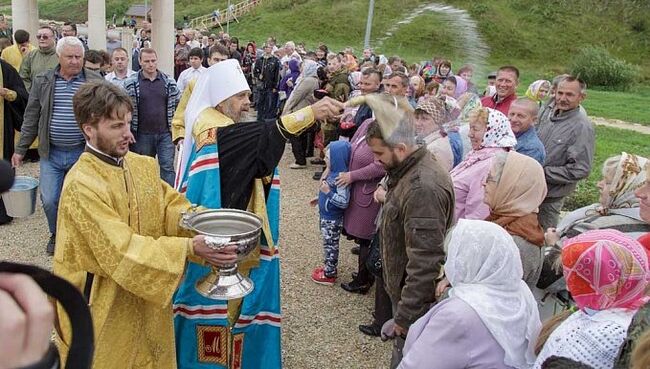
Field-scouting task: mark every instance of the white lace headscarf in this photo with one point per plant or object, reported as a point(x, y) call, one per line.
point(484, 269)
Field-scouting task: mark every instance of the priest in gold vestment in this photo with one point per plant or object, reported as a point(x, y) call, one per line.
point(119, 239)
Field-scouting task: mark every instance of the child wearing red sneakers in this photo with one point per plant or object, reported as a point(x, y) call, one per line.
point(332, 202)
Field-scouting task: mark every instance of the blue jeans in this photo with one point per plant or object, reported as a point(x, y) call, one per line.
point(152, 144)
point(53, 171)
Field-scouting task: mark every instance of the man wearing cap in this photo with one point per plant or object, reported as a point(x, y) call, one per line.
point(228, 164)
point(430, 115)
point(490, 89)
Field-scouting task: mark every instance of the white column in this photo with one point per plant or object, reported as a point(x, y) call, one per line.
point(34, 16)
point(97, 24)
point(127, 43)
point(24, 15)
point(162, 34)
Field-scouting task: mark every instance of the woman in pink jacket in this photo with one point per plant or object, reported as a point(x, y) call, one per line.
point(489, 133)
point(359, 218)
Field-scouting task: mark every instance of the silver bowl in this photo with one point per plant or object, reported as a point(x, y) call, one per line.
point(221, 228)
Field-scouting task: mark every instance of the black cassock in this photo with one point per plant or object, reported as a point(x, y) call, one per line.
point(13, 118)
point(247, 151)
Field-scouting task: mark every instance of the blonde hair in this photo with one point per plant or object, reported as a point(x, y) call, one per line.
point(420, 90)
point(479, 115)
point(548, 327)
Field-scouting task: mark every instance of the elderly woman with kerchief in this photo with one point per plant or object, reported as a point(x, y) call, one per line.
point(607, 274)
point(489, 134)
point(617, 207)
point(490, 319)
point(514, 189)
point(302, 95)
point(641, 321)
point(643, 195)
point(538, 90)
point(429, 118)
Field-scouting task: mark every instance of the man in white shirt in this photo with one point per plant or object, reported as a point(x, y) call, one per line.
point(191, 38)
point(195, 69)
point(121, 70)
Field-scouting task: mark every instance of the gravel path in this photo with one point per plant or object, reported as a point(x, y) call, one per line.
point(616, 123)
point(319, 322)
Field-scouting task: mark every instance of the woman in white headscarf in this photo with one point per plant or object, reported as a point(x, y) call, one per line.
point(490, 319)
point(302, 96)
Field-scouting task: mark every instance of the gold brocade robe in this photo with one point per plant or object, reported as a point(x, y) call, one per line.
point(122, 225)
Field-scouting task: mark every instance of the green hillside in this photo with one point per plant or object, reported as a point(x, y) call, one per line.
point(536, 34)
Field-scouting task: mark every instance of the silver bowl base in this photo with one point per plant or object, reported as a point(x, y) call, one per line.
point(224, 287)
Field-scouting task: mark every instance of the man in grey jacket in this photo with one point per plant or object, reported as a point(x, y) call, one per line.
point(569, 139)
point(49, 116)
point(417, 213)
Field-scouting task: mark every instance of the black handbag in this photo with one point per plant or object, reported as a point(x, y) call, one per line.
point(373, 262)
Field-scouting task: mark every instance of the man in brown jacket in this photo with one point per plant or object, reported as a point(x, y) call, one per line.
point(418, 211)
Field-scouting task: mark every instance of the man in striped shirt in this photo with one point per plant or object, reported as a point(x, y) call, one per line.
point(50, 117)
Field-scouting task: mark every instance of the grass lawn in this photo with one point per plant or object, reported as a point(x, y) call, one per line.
point(609, 142)
point(630, 106)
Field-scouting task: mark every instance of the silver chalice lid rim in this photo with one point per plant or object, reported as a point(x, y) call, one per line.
point(223, 215)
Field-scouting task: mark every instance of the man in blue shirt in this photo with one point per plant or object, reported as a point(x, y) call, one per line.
point(523, 116)
point(50, 117)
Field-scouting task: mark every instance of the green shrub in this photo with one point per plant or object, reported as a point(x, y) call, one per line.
point(599, 68)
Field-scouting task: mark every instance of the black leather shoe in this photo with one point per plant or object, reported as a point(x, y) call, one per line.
point(50, 246)
point(317, 161)
point(370, 330)
point(353, 287)
point(355, 250)
point(317, 176)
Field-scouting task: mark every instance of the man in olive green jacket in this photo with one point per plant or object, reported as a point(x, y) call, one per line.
point(40, 60)
point(418, 211)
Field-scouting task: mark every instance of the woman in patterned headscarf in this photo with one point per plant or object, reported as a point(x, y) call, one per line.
point(489, 134)
point(538, 90)
point(643, 195)
point(607, 274)
point(618, 207)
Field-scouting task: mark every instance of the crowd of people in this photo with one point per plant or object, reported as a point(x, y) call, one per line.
point(452, 192)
